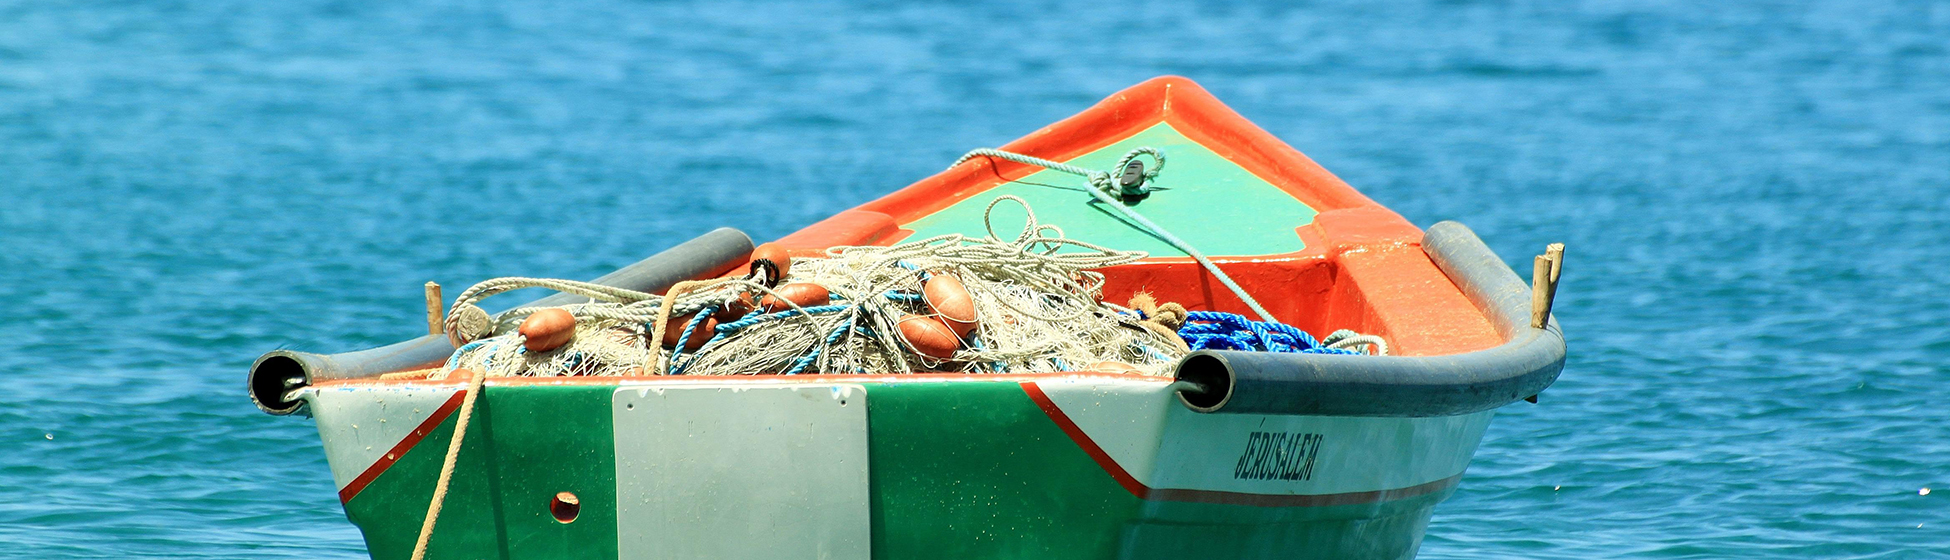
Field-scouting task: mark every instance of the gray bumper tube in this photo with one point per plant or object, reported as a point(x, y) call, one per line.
point(276, 373)
point(1421, 386)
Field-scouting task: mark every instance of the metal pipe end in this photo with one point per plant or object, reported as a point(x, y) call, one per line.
point(274, 376)
point(1212, 377)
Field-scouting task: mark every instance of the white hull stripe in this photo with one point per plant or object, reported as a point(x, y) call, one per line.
point(367, 430)
point(1132, 465)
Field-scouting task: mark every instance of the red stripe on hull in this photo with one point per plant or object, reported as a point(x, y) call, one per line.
point(399, 450)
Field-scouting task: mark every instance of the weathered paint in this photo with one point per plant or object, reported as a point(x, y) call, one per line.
point(366, 431)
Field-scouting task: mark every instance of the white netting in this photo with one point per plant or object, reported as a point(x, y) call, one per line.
point(1036, 298)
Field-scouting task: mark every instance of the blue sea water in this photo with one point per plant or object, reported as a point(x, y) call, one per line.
point(1756, 196)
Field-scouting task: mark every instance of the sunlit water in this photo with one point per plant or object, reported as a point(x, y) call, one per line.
point(1757, 201)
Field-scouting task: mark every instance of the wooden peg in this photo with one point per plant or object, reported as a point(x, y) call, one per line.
point(1556, 253)
point(1547, 268)
point(435, 313)
point(1540, 298)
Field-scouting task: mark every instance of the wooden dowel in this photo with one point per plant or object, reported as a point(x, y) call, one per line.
point(1555, 252)
point(1540, 299)
point(435, 312)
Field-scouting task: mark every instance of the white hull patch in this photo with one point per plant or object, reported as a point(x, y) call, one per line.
point(742, 471)
point(360, 426)
point(1166, 446)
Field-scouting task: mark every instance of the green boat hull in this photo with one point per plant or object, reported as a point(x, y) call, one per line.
point(1059, 467)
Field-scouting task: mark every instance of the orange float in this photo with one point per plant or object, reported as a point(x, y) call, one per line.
point(772, 255)
point(675, 329)
point(951, 302)
point(548, 329)
point(929, 337)
point(803, 294)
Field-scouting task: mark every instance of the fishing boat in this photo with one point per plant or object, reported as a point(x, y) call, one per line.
point(1220, 453)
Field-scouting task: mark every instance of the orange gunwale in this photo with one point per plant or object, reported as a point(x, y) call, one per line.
point(1362, 266)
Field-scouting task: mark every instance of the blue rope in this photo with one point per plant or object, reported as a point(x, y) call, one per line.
point(689, 328)
point(756, 318)
point(831, 339)
point(454, 360)
point(1213, 330)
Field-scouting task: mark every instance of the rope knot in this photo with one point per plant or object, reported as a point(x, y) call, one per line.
point(1171, 315)
point(466, 323)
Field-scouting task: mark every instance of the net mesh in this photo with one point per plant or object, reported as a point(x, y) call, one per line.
point(1037, 298)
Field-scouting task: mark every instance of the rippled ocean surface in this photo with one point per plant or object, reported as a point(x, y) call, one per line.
point(1756, 198)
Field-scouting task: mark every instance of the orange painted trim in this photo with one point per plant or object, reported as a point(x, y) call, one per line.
point(1136, 488)
point(386, 461)
point(1403, 298)
point(1388, 297)
point(1172, 100)
point(1201, 117)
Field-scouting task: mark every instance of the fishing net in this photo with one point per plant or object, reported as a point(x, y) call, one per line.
point(1036, 299)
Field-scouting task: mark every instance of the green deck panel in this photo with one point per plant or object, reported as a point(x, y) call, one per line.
point(389, 511)
point(976, 470)
point(1210, 202)
point(556, 439)
point(523, 445)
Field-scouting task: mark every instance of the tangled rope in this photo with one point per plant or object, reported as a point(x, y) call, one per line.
point(1038, 307)
point(1213, 330)
point(1035, 292)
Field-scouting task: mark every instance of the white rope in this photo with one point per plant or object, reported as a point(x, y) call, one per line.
point(1102, 187)
point(1035, 292)
point(447, 465)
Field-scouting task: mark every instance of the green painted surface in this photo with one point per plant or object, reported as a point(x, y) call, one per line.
point(390, 510)
point(524, 445)
point(1210, 202)
point(959, 470)
point(549, 440)
point(976, 470)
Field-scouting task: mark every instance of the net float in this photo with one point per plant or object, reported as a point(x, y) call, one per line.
point(548, 329)
point(675, 329)
point(929, 337)
point(951, 302)
point(773, 259)
point(804, 294)
point(735, 309)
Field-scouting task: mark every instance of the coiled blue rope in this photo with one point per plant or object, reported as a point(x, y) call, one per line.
point(1213, 330)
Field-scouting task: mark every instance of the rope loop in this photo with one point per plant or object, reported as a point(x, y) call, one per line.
point(1106, 190)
